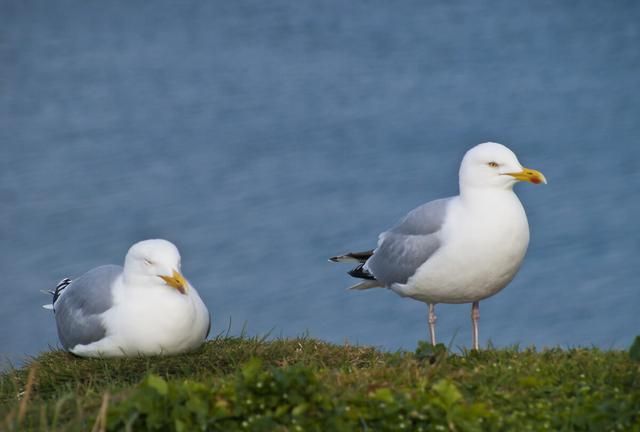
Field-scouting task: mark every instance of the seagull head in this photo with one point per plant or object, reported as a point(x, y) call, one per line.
point(492, 165)
point(156, 261)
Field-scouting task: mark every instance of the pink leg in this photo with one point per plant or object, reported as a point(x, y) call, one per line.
point(475, 317)
point(432, 323)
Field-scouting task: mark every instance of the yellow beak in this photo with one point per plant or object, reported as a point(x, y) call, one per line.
point(529, 175)
point(177, 281)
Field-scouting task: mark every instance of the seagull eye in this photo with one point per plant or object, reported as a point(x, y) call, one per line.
point(147, 262)
point(493, 164)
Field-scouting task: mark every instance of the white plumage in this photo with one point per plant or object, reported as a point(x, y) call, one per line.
point(460, 249)
point(145, 308)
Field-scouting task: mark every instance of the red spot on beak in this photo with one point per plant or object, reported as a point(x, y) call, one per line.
point(535, 180)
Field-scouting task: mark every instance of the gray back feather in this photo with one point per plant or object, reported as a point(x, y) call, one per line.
point(408, 245)
point(79, 306)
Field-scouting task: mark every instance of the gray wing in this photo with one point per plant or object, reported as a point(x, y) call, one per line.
point(78, 307)
point(408, 245)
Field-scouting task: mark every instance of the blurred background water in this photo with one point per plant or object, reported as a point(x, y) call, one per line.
point(264, 137)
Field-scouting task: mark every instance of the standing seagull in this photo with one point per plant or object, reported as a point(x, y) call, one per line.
point(461, 249)
point(145, 308)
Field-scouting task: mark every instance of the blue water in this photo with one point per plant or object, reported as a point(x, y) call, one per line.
point(264, 137)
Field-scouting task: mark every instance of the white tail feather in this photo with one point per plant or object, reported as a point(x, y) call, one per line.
point(344, 259)
point(366, 285)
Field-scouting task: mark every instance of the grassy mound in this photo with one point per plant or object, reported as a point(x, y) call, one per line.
point(308, 385)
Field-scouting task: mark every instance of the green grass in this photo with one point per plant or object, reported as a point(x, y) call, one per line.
point(305, 384)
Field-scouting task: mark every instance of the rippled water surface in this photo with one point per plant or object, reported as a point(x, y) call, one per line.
point(263, 137)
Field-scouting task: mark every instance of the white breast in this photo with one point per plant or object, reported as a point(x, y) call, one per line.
point(484, 240)
point(152, 321)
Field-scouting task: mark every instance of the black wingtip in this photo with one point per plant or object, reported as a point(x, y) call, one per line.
point(59, 288)
point(360, 257)
point(361, 273)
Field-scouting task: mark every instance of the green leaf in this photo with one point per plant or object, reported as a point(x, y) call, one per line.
point(426, 351)
point(252, 368)
point(158, 384)
point(384, 395)
point(300, 409)
point(448, 392)
point(530, 382)
point(180, 426)
point(634, 351)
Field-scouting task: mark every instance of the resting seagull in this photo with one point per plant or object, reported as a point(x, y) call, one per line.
point(461, 249)
point(145, 308)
